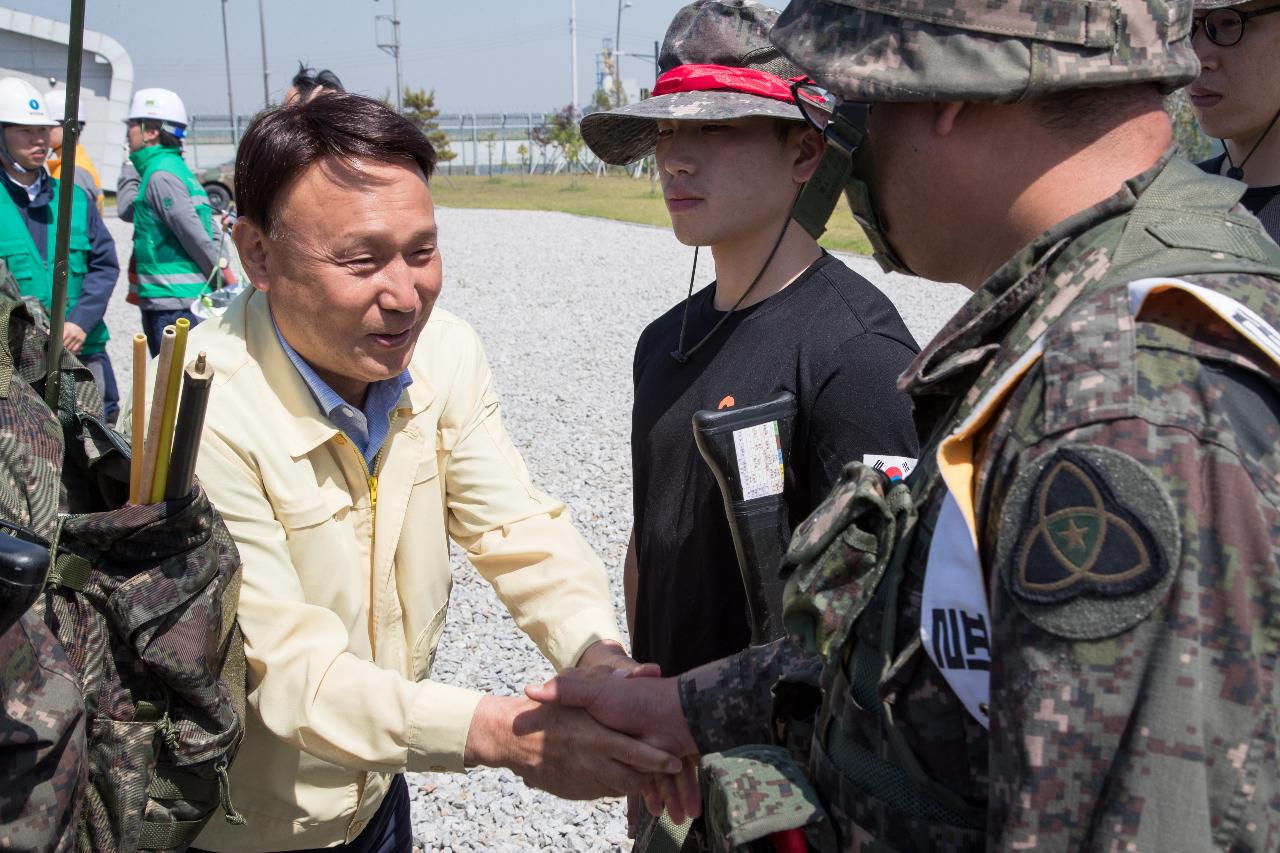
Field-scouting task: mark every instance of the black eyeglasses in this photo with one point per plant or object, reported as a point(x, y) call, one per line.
point(1225, 27)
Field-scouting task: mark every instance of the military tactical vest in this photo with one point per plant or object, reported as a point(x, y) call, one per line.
point(34, 274)
point(165, 270)
point(854, 552)
point(138, 616)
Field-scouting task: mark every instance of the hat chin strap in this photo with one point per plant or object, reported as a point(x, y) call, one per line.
point(8, 158)
point(680, 354)
point(846, 166)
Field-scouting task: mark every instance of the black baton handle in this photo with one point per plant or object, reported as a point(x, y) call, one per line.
point(760, 526)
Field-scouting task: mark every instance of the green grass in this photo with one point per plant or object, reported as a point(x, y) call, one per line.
point(609, 197)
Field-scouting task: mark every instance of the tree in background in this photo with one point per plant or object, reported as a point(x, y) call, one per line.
point(490, 139)
point(420, 108)
point(523, 152)
point(561, 131)
point(1192, 142)
point(541, 140)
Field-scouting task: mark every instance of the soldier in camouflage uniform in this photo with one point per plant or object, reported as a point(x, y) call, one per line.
point(1061, 632)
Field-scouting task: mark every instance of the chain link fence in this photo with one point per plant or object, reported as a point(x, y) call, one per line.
point(482, 144)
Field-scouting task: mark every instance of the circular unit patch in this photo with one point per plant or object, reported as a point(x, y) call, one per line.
point(1089, 544)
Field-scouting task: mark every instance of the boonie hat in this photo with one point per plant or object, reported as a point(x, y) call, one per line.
point(716, 62)
point(987, 50)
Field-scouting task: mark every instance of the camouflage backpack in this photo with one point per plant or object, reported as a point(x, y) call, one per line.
point(138, 612)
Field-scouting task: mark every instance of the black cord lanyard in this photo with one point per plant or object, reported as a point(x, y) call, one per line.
point(679, 353)
point(1237, 172)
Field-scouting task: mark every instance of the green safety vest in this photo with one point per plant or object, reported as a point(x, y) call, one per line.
point(34, 274)
point(164, 268)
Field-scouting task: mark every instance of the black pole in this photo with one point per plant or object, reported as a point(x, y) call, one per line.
point(70, 138)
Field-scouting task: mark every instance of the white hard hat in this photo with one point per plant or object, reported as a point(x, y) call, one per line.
point(20, 103)
point(158, 105)
point(56, 102)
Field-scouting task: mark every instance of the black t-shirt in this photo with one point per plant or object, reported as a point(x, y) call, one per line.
point(1262, 202)
point(832, 339)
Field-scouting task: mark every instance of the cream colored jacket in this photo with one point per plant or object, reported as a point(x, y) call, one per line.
point(346, 574)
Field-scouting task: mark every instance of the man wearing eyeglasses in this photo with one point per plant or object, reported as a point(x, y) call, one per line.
point(1237, 97)
point(733, 152)
point(1060, 633)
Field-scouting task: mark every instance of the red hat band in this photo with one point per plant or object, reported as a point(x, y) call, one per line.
point(706, 78)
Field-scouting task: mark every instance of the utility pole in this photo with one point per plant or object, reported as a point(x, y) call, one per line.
point(266, 85)
point(573, 53)
point(226, 57)
point(393, 47)
point(617, 55)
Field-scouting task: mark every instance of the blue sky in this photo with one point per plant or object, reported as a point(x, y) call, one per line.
point(481, 55)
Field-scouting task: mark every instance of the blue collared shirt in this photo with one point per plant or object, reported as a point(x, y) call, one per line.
point(367, 427)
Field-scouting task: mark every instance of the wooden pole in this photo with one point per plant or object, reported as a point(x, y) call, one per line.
point(70, 136)
point(164, 363)
point(161, 477)
point(139, 423)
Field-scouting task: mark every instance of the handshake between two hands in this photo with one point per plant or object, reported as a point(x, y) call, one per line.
point(608, 727)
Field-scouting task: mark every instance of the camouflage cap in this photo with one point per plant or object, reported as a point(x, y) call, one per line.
point(1210, 5)
point(732, 33)
point(986, 50)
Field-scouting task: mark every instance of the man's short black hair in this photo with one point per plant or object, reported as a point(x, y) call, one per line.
point(283, 142)
point(308, 79)
point(1082, 116)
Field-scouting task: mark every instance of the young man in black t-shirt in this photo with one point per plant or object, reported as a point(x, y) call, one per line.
point(1237, 97)
point(733, 152)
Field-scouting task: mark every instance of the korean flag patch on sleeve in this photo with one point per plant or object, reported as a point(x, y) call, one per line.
point(894, 467)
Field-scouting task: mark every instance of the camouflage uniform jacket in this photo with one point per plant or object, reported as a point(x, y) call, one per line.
point(1132, 688)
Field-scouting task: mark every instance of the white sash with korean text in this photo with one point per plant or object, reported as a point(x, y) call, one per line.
point(955, 620)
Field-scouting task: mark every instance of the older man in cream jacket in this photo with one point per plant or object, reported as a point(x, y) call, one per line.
point(352, 431)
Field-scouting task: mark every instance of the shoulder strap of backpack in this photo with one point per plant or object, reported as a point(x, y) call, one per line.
point(6, 357)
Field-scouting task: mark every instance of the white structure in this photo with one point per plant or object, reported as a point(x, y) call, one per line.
point(35, 49)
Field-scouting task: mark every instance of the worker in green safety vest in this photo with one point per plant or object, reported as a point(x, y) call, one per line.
point(29, 221)
point(175, 243)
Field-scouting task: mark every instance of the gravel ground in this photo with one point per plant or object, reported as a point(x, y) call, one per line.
point(559, 301)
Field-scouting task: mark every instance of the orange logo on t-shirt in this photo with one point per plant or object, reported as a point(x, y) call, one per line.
point(727, 402)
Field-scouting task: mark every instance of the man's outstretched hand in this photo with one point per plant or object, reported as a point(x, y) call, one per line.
point(646, 708)
point(561, 749)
